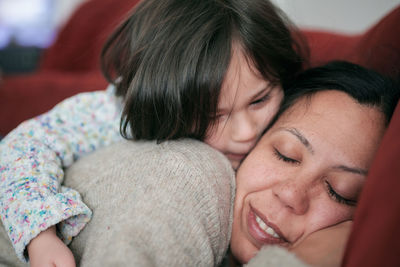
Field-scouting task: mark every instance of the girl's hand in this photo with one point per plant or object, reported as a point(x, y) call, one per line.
point(324, 247)
point(47, 250)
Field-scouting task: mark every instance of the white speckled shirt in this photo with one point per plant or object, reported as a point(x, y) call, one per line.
point(32, 158)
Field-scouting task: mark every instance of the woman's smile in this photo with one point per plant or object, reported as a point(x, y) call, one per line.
point(263, 231)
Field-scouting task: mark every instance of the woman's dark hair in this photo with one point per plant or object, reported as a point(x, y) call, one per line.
point(365, 86)
point(169, 58)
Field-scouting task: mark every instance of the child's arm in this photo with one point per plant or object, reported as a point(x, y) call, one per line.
point(47, 250)
point(32, 158)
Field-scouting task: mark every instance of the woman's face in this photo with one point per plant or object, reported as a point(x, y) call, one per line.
point(305, 173)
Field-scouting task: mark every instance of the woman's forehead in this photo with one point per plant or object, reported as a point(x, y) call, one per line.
point(333, 120)
point(330, 105)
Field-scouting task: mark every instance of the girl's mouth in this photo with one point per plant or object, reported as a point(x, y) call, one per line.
point(236, 157)
point(264, 232)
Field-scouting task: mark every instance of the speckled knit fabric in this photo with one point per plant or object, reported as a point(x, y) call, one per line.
point(167, 204)
point(32, 158)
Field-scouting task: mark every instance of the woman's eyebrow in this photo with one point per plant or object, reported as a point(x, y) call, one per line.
point(301, 138)
point(351, 169)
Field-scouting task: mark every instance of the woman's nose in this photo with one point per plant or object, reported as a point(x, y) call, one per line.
point(244, 128)
point(293, 195)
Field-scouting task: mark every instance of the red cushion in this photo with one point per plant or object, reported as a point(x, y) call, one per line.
point(79, 43)
point(378, 48)
point(325, 46)
point(24, 98)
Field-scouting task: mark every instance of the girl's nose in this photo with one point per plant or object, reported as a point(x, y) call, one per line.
point(244, 128)
point(293, 195)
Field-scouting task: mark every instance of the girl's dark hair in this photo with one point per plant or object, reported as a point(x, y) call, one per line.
point(365, 86)
point(169, 58)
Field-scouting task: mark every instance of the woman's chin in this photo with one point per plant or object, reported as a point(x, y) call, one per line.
point(243, 255)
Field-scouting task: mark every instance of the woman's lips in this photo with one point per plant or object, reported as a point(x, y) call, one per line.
point(264, 232)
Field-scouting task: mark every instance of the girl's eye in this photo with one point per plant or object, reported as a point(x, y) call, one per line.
point(338, 198)
point(282, 157)
point(263, 99)
point(220, 117)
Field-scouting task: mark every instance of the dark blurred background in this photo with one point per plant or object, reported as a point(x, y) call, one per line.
point(26, 28)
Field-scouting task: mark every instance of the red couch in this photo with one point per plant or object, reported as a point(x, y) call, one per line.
point(71, 65)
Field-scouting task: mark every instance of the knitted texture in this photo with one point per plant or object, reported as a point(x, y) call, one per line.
point(32, 159)
point(167, 204)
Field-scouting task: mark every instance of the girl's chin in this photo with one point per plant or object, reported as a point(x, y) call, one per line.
point(235, 164)
point(235, 159)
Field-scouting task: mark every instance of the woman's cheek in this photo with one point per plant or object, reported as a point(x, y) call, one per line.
point(328, 213)
point(260, 168)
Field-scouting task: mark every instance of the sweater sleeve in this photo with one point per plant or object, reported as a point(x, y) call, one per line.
point(32, 158)
point(168, 204)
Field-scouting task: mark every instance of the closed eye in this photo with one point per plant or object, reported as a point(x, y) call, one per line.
point(262, 99)
point(220, 117)
point(282, 157)
point(338, 198)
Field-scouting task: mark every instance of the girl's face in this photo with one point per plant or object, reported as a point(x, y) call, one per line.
point(246, 106)
point(306, 172)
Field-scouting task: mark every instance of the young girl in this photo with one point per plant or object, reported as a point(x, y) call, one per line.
point(210, 70)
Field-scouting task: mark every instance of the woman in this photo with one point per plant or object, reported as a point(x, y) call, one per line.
point(307, 171)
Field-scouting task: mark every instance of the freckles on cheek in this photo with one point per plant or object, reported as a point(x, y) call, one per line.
point(331, 214)
point(256, 172)
point(254, 181)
